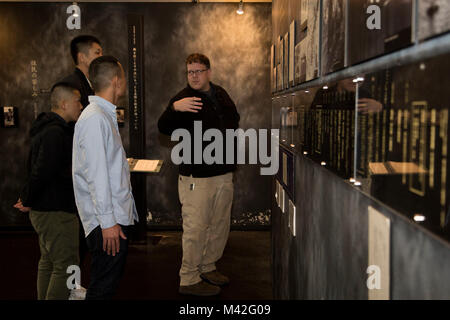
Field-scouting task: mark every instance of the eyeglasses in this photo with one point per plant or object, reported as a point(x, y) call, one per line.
point(196, 72)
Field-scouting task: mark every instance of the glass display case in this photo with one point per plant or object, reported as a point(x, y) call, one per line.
point(385, 132)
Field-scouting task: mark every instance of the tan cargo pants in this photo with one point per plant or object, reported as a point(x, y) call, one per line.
point(206, 209)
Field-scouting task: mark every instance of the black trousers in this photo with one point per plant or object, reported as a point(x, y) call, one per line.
point(83, 249)
point(106, 270)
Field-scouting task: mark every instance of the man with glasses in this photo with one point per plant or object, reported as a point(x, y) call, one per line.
point(205, 190)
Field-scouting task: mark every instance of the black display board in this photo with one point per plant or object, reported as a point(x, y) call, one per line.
point(137, 115)
point(395, 19)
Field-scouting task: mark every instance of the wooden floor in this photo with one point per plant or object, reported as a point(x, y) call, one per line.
point(152, 268)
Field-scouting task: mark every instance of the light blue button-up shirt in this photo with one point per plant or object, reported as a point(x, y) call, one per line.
point(101, 174)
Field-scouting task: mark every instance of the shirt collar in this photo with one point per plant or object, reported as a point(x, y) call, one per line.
point(103, 103)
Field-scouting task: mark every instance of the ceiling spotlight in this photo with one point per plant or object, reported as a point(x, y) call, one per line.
point(241, 8)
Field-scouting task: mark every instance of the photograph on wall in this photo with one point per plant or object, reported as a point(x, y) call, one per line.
point(280, 70)
point(279, 77)
point(9, 117)
point(286, 61)
point(297, 63)
point(300, 61)
point(333, 36)
point(433, 18)
point(313, 38)
point(279, 51)
point(292, 53)
point(120, 112)
point(274, 76)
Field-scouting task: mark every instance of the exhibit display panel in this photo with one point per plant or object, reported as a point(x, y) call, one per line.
point(333, 35)
point(401, 144)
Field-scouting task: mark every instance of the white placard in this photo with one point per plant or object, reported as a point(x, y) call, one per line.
point(292, 217)
point(378, 271)
point(277, 194)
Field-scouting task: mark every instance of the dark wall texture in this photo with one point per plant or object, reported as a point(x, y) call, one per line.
point(328, 257)
point(239, 49)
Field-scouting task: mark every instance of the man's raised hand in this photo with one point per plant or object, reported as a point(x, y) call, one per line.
point(191, 104)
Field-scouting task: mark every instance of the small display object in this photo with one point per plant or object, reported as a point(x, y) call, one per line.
point(9, 117)
point(145, 166)
point(120, 116)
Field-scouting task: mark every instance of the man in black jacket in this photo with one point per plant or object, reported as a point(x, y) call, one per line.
point(84, 49)
point(48, 193)
point(205, 190)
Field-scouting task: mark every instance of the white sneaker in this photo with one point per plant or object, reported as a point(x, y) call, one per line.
point(78, 294)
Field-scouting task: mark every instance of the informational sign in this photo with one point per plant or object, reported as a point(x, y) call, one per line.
point(378, 281)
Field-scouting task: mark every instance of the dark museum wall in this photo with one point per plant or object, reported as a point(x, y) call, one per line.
point(238, 47)
point(328, 256)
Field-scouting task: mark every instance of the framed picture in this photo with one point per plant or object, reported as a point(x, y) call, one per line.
point(9, 117)
point(120, 116)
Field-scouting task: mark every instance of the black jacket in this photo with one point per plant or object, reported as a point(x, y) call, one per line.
point(219, 114)
point(78, 80)
point(49, 183)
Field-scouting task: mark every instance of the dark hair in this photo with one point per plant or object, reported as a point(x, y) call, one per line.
point(81, 44)
point(102, 70)
point(59, 91)
point(198, 58)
